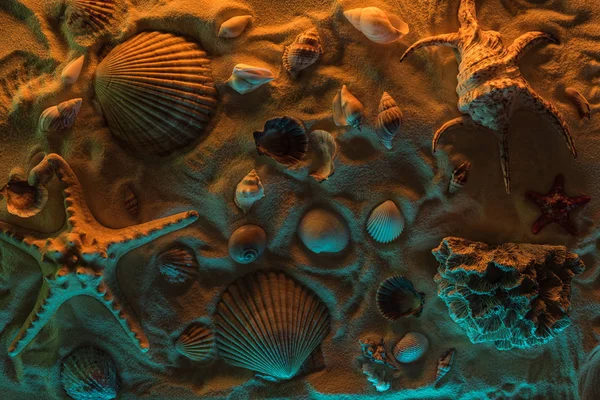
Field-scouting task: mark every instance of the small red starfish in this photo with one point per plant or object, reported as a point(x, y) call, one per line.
point(556, 206)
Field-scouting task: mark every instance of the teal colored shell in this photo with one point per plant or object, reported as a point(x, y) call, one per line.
point(89, 373)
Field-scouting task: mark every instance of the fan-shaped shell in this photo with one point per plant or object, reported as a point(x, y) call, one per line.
point(156, 92)
point(397, 297)
point(389, 120)
point(322, 231)
point(583, 106)
point(376, 25)
point(22, 199)
point(246, 78)
point(59, 117)
point(304, 52)
point(283, 139)
point(386, 222)
point(411, 347)
point(89, 373)
point(89, 17)
point(131, 202)
point(459, 177)
point(444, 365)
point(178, 265)
point(234, 27)
point(247, 243)
point(71, 72)
point(347, 110)
point(197, 343)
point(249, 191)
point(268, 323)
point(325, 148)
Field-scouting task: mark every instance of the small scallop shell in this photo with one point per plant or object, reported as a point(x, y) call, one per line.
point(249, 191)
point(411, 347)
point(60, 117)
point(283, 139)
point(304, 52)
point(197, 343)
point(323, 232)
point(131, 202)
point(71, 72)
point(325, 149)
point(178, 265)
point(89, 17)
point(247, 244)
point(347, 110)
point(376, 25)
point(583, 106)
point(459, 177)
point(389, 120)
point(23, 200)
point(89, 373)
point(385, 223)
point(246, 78)
point(444, 365)
point(234, 27)
point(397, 297)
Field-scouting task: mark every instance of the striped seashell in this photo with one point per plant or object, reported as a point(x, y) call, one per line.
point(131, 202)
point(376, 25)
point(284, 140)
point(197, 343)
point(322, 231)
point(444, 365)
point(304, 52)
point(325, 148)
point(389, 120)
point(411, 347)
point(459, 177)
point(249, 191)
point(347, 110)
point(89, 17)
point(59, 117)
point(583, 106)
point(89, 373)
point(247, 244)
point(177, 265)
point(286, 312)
point(71, 72)
point(234, 27)
point(23, 200)
point(246, 78)
point(386, 222)
point(397, 297)
point(156, 92)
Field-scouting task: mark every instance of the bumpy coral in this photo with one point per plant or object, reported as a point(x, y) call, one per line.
point(515, 295)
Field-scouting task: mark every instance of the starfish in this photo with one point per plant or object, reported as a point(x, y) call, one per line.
point(81, 258)
point(556, 206)
point(490, 85)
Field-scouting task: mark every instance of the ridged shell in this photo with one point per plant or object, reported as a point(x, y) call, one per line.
point(59, 117)
point(283, 139)
point(178, 265)
point(131, 202)
point(156, 92)
point(459, 177)
point(376, 25)
point(89, 373)
point(444, 365)
point(325, 148)
point(89, 17)
point(70, 73)
point(249, 191)
point(386, 222)
point(322, 231)
point(397, 297)
point(268, 323)
point(246, 78)
point(247, 244)
point(197, 343)
point(304, 52)
point(411, 347)
point(22, 199)
point(389, 120)
point(347, 110)
point(583, 106)
point(234, 27)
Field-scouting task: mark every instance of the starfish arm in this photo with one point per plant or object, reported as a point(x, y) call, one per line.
point(579, 200)
point(567, 225)
point(24, 239)
point(459, 121)
point(467, 14)
point(525, 42)
point(447, 39)
point(558, 186)
point(537, 198)
point(541, 223)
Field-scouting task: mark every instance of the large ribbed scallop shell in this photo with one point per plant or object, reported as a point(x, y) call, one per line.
point(88, 373)
point(304, 52)
point(376, 25)
point(459, 177)
point(59, 117)
point(347, 109)
point(322, 231)
point(197, 343)
point(411, 347)
point(389, 120)
point(325, 148)
point(156, 92)
point(269, 323)
point(22, 199)
point(397, 297)
point(283, 139)
point(386, 222)
point(89, 17)
point(249, 191)
point(247, 243)
point(178, 265)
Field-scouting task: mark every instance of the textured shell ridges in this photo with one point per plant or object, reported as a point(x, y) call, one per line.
point(397, 297)
point(197, 343)
point(323, 231)
point(386, 222)
point(178, 265)
point(389, 120)
point(249, 191)
point(304, 52)
point(411, 347)
point(88, 373)
point(283, 139)
point(89, 17)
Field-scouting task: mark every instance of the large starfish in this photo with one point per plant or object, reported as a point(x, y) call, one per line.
point(490, 84)
point(81, 258)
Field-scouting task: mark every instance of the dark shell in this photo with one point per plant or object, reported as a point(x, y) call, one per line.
point(89, 373)
point(23, 200)
point(178, 265)
point(131, 202)
point(89, 16)
point(283, 139)
point(397, 297)
point(197, 343)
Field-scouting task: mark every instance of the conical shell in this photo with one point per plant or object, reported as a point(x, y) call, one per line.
point(246, 78)
point(304, 52)
point(583, 106)
point(60, 117)
point(347, 110)
point(197, 343)
point(89, 17)
point(71, 72)
point(376, 25)
point(444, 365)
point(326, 149)
point(283, 139)
point(389, 120)
point(89, 373)
point(411, 347)
point(156, 92)
point(386, 222)
point(459, 177)
point(249, 191)
point(178, 265)
point(23, 200)
point(322, 231)
point(247, 244)
point(268, 323)
point(234, 27)
point(131, 202)
point(397, 297)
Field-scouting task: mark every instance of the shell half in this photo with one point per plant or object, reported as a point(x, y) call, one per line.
point(178, 265)
point(197, 343)
point(386, 222)
point(284, 140)
point(459, 177)
point(322, 231)
point(89, 373)
point(411, 347)
point(397, 297)
point(59, 117)
point(23, 200)
point(89, 17)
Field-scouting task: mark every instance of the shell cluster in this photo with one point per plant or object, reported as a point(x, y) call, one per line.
point(197, 343)
point(397, 297)
point(89, 373)
point(247, 244)
point(303, 52)
point(283, 139)
point(249, 191)
point(411, 347)
point(322, 231)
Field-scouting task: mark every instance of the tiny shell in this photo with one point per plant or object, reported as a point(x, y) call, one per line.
point(347, 110)
point(389, 120)
point(459, 177)
point(397, 297)
point(249, 191)
point(247, 244)
point(131, 202)
point(234, 27)
point(376, 25)
point(23, 200)
point(304, 52)
point(89, 373)
point(323, 232)
point(283, 139)
point(71, 72)
point(325, 148)
point(444, 365)
point(411, 347)
point(178, 265)
point(89, 17)
point(59, 117)
point(197, 343)
point(583, 106)
point(386, 222)
point(246, 78)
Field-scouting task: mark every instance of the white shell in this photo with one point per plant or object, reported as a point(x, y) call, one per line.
point(234, 27)
point(323, 232)
point(389, 120)
point(246, 78)
point(71, 72)
point(325, 148)
point(347, 110)
point(376, 25)
point(249, 191)
point(411, 347)
point(197, 343)
point(247, 244)
point(60, 117)
point(386, 222)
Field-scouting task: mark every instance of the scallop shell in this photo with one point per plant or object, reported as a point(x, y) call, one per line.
point(583, 106)
point(89, 16)
point(249, 191)
point(283, 139)
point(89, 373)
point(397, 297)
point(246, 78)
point(197, 343)
point(23, 200)
point(247, 244)
point(59, 117)
point(411, 347)
point(234, 27)
point(304, 52)
point(459, 177)
point(321, 231)
point(389, 120)
point(131, 202)
point(444, 365)
point(347, 110)
point(386, 222)
point(156, 92)
point(177, 265)
point(268, 323)
point(325, 149)
point(71, 72)
point(376, 25)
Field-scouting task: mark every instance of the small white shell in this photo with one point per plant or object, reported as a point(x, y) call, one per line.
point(249, 191)
point(389, 120)
point(71, 72)
point(246, 78)
point(411, 347)
point(247, 244)
point(60, 117)
point(376, 25)
point(323, 232)
point(347, 110)
point(325, 148)
point(386, 222)
point(459, 177)
point(234, 27)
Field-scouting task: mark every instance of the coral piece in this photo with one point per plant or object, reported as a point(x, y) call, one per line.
point(397, 297)
point(556, 206)
point(444, 365)
point(583, 106)
point(386, 222)
point(304, 52)
point(234, 27)
point(490, 85)
point(376, 25)
point(247, 244)
point(156, 92)
point(347, 110)
point(177, 265)
point(81, 258)
point(514, 295)
point(283, 139)
point(22, 199)
point(197, 343)
point(89, 373)
point(375, 352)
point(326, 150)
point(59, 117)
point(411, 347)
point(322, 231)
point(248, 191)
point(246, 78)
point(89, 17)
point(376, 378)
point(460, 176)
point(260, 315)
point(389, 120)
point(131, 202)
point(71, 72)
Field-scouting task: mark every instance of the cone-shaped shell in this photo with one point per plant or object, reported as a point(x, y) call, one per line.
point(386, 222)
point(89, 373)
point(583, 106)
point(247, 244)
point(389, 120)
point(325, 150)
point(347, 110)
point(60, 117)
point(376, 25)
point(444, 365)
point(397, 297)
point(22, 199)
point(156, 92)
point(197, 343)
point(268, 323)
point(71, 72)
point(234, 27)
point(178, 265)
point(89, 17)
point(459, 177)
point(322, 231)
point(249, 191)
point(283, 139)
point(246, 78)
point(304, 52)
point(411, 347)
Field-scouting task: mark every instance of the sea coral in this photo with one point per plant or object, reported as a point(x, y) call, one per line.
point(377, 378)
point(374, 351)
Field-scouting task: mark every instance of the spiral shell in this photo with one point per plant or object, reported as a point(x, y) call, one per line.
point(249, 191)
point(304, 52)
point(156, 92)
point(411, 347)
point(376, 25)
point(178, 265)
point(386, 222)
point(197, 343)
point(347, 110)
point(22, 199)
point(444, 365)
point(321, 231)
point(70, 73)
point(397, 297)
point(247, 244)
point(59, 117)
point(389, 120)
point(459, 177)
point(89, 17)
point(246, 78)
point(325, 148)
point(88, 373)
point(583, 106)
point(234, 27)
point(283, 139)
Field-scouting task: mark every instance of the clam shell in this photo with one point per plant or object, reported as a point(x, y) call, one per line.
point(283, 139)
point(71, 72)
point(23, 200)
point(89, 373)
point(444, 365)
point(247, 244)
point(89, 17)
point(376, 25)
point(347, 110)
point(583, 106)
point(397, 297)
point(234, 27)
point(386, 222)
point(389, 120)
point(411, 347)
point(197, 343)
point(459, 177)
point(59, 117)
point(249, 191)
point(321, 231)
point(131, 202)
point(304, 52)
point(269, 323)
point(156, 92)
point(246, 78)
point(325, 148)
point(178, 265)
